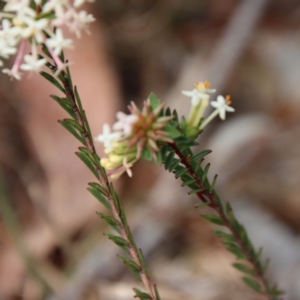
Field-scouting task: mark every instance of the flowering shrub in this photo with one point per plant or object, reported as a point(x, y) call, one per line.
point(38, 23)
point(143, 132)
point(154, 133)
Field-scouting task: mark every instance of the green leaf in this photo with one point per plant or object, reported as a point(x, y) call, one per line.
point(141, 295)
point(201, 154)
point(201, 204)
point(53, 81)
point(205, 171)
point(158, 158)
point(74, 124)
point(188, 182)
point(155, 102)
point(244, 269)
point(146, 154)
point(132, 266)
point(110, 220)
point(169, 160)
point(99, 196)
point(173, 133)
point(92, 156)
point(212, 186)
point(66, 104)
point(168, 112)
point(253, 284)
point(180, 171)
point(143, 262)
point(115, 197)
point(175, 114)
point(164, 151)
point(71, 129)
point(195, 191)
point(157, 296)
point(78, 100)
point(174, 164)
point(214, 219)
point(226, 236)
point(119, 241)
point(87, 161)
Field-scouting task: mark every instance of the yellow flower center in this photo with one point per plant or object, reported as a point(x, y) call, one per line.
point(201, 86)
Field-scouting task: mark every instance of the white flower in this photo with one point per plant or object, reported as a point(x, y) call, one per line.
point(58, 42)
point(34, 28)
point(125, 122)
point(221, 106)
point(13, 73)
point(32, 63)
point(200, 91)
point(107, 137)
point(78, 3)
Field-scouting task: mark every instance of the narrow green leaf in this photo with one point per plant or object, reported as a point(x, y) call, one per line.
point(164, 151)
point(99, 196)
point(169, 160)
point(173, 133)
point(119, 241)
point(180, 172)
point(168, 112)
point(201, 204)
point(195, 191)
point(226, 236)
point(143, 262)
point(188, 182)
point(86, 160)
point(93, 157)
point(214, 219)
point(72, 131)
point(212, 186)
point(141, 295)
point(243, 268)
point(132, 266)
point(97, 186)
point(110, 220)
point(53, 81)
point(175, 114)
point(66, 104)
point(253, 284)
point(205, 172)
point(174, 164)
point(146, 154)
point(155, 102)
point(157, 296)
point(201, 154)
point(78, 100)
point(74, 124)
point(115, 197)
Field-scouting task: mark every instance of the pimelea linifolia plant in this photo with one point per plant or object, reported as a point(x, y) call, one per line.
point(153, 132)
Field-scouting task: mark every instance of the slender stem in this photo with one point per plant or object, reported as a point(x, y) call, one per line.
point(210, 198)
point(104, 182)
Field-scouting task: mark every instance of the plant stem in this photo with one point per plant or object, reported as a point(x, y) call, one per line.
point(212, 200)
point(104, 182)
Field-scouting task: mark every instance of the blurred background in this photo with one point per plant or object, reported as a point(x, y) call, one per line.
point(52, 244)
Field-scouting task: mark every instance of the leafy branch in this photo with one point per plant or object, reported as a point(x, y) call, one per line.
point(77, 124)
point(179, 159)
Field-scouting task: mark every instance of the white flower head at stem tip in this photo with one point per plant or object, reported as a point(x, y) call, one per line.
point(58, 42)
point(200, 91)
point(125, 122)
point(222, 106)
point(107, 137)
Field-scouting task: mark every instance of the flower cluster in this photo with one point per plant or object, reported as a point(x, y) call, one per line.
point(33, 22)
point(199, 102)
point(142, 130)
